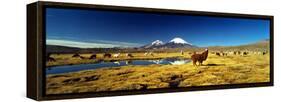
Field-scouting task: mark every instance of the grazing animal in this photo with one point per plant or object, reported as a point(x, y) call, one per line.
point(218, 54)
point(116, 55)
point(82, 57)
point(239, 53)
point(76, 55)
point(93, 56)
point(230, 53)
point(148, 53)
point(145, 54)
point(199, 57)
point(245, 53)
point(151, 54)
point(224, 54)
point(129, 55)
point(51, 59)
point(263, 53)
point(107, 55)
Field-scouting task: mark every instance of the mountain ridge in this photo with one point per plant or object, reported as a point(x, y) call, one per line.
point(263, 44)
point(176, 42)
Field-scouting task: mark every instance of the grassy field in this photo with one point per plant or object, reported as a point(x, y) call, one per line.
point(216, 70)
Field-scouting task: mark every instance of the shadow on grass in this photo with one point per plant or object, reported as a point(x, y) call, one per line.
point(214, 65)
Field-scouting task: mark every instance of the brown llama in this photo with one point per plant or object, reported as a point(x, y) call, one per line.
point(245, 53)
point(107, 55)
point(218, 54)
point(93, 56)
point(130, 55)
point(81, 57)
point(51, 59)
point(76, 55)
point(224, 54)
point(238, 53)
point(199, 57)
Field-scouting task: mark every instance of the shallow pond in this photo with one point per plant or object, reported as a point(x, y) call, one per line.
point(102, 64)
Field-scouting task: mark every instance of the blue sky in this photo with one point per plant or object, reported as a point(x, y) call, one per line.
point(96, 28)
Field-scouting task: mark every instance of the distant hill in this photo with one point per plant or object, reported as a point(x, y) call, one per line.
point(60, 49)
point(257, 46)
point(64, 49)
point(158, 46)
point(264, 44)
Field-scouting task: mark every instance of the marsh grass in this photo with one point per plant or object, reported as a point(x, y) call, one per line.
point(215, 71)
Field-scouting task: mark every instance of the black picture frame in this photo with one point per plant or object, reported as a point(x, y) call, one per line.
point(36, 49)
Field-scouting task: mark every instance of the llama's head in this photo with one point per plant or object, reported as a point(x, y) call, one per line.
point(206, 50)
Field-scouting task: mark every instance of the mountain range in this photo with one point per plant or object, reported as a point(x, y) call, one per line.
point(174, 43)
point(157, 44)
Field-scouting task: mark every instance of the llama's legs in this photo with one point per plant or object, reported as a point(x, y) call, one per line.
point(194, 63)
point(200, 63)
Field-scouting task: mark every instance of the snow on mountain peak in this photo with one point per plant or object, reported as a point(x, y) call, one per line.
point(178, 40)
point(157, 42)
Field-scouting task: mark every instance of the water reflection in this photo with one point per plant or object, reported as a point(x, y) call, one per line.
point(102, 64)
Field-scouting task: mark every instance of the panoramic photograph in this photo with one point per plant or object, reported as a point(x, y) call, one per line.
point(91, 50)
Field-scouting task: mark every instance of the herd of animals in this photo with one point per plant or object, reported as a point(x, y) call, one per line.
point(94, 56)
point(195, 57)
point(242, 53)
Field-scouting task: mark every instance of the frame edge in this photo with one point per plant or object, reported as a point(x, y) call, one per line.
point(34, 10)
point(32, 90)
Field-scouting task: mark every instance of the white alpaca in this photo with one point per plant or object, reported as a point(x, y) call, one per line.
point(151, 53)
point(116, 55)
point(145, 54)
point(129, 55)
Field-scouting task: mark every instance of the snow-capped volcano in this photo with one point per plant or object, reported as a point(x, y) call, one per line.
point(154, 44)
point(178, 40)
point(174, 43)
point(157, 42)
point(178, 43)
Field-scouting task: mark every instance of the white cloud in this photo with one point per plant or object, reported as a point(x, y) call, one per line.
point(99, 44)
